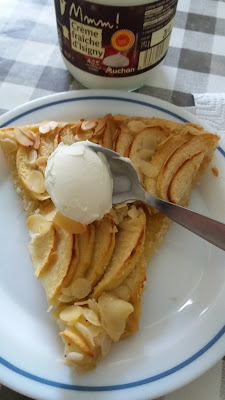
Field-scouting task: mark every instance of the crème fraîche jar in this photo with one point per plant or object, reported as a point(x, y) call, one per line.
point(114, 43)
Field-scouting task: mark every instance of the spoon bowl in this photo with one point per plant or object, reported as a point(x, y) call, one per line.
point(127, 188)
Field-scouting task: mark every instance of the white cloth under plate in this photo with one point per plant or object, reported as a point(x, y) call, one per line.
point(210, 107)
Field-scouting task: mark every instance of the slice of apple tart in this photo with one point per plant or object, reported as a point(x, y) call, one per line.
point(94, 275)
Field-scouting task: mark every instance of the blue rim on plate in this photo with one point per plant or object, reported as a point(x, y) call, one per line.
point(129, 385)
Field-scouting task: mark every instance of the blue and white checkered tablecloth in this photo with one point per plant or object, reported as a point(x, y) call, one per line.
point(31, 66)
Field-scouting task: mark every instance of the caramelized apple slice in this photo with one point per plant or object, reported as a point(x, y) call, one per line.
point(184, 180)
point(186, 151)
point(132, 287)
point(73, 265)
point(42, 250)
point(54, 276)
point(132, 324)
point(68, 224)
point(108, 134)
point(86, 244)
point(158, 160)
point(103, 249)
point(78, 290)
point(148, 139)
point(128, 248)
point(8, 145)
point(123, 142)
point(131, 290)
point(76, 286)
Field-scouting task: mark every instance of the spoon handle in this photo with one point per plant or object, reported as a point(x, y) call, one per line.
point(207, 228)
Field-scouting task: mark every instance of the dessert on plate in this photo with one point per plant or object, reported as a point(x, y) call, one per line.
point(94, 269)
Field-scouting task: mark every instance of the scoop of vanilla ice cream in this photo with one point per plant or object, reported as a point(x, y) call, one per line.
point(79, 182)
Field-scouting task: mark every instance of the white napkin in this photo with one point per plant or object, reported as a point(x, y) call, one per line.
point(210, 107)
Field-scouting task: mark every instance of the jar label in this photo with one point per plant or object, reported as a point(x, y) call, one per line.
point(114, 41)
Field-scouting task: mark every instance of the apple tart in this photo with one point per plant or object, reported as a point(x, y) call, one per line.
point(94, 275)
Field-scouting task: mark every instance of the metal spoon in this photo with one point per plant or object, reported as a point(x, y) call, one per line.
point(127, 188)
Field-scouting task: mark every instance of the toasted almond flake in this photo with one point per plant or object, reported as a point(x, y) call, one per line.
point(93, 305)
point(75, 127)
point(36, 182)
point(8, 134)
point(28, 133)
point(80, 288)
point(74, 356)
point(81, 303)
point(114, 216)
point(42, 161)
point(38, 224)
point(37, 141)
point(48, 126)
point(42, 170)
point(49, 309)
point(65, 299)
point(91, 316)
point(102, 124)
point(21, 138)
point(32, 156)
point(113, 229)
point(144, 167)
point(118, 206)
point(129, 224)
point(51, 215)
point(85, 332)
point(106, 343)
point(8, 145)
point(215, 172)
point(133, 212)
point(66, 291)
point(95, 330)
point(83, 136)
point(99, 132)
point(145, 154)
point(114, 314)
point(97, 135)
point(89, 125)
point(136, 126)
point(44, 227)
point(71, 313)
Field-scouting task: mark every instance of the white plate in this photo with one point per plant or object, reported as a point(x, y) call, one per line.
point(182, 331)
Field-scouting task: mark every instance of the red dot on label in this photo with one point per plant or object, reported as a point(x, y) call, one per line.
point(122, 40)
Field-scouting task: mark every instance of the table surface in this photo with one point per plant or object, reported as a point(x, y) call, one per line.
point(31, 65)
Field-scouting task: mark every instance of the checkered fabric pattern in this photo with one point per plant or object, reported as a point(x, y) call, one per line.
point(31, 64)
